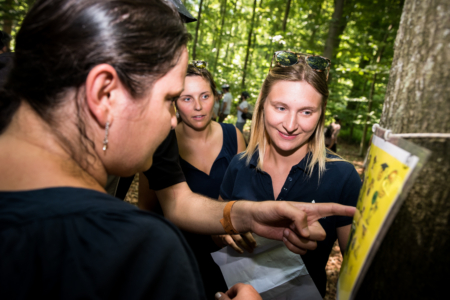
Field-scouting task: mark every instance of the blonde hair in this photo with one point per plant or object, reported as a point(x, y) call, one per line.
point(259, 138)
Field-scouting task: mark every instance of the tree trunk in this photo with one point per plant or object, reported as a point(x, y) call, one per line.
point(362, 148)
point(413, 261)
point(249, 44)
point(286, 14)
point(7, 20)
point(335, 29)
point(196, 29)
point(223, 12)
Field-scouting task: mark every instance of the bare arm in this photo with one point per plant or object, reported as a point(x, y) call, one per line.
point(294, 223)
point(240, 141)
point(343, 233)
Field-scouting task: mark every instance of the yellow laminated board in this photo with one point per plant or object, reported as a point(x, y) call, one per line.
point(387, 169)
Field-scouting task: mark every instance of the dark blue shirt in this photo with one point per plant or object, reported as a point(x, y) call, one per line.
point(340, 183)
point(72, 243)
point(209, 185)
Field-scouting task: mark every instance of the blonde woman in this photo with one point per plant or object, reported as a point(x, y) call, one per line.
point(286, 158)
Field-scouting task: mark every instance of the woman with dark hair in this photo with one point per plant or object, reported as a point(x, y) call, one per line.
point(286, 158)
point(205, 150)
point(89, 80)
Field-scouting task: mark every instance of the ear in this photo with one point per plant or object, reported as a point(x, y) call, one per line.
point(102, 88)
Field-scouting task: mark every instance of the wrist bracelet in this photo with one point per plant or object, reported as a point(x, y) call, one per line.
point(226, 221)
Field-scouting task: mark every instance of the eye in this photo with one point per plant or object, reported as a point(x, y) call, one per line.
point(186, 99)
point(307, 112)
point(206, 96)
point(280, 108)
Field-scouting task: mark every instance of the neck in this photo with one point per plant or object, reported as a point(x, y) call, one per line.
point(41, 159)
point(285, 159)
point(190, 133)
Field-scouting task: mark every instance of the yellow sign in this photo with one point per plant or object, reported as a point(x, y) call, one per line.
point(384, 178)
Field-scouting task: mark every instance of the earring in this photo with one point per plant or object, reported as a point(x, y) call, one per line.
point(105, 140)
point(178, 115)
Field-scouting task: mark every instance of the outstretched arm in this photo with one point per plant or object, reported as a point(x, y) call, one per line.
point(292, 222)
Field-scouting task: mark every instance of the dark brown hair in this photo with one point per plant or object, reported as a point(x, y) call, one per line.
point(204, 73)
point(60, 41)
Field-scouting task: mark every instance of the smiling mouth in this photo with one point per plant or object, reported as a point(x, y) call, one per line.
point(287, 136)
point(199, 117)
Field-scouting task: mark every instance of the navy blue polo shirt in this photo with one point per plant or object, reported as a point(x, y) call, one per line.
point(340, 183)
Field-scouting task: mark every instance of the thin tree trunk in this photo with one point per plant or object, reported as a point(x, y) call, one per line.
point(196, 29)
point(286, 14)
point(362, 147)
point(249, 43)
point(413, 261)
point(312, 40)
point(223, 12)
point(335, 25)
point(7, 21)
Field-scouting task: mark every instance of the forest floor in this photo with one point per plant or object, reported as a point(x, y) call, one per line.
point(348, 152)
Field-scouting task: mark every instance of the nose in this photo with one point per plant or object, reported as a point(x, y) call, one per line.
point(197, 105)
point(291, 124)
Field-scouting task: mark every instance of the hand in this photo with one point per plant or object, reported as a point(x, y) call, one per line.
point(294, 223)
point(239, 291)
point(245, 240)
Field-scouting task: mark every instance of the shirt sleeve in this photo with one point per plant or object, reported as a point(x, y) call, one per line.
point(166, 170)
point(229, 179)
point(244, 105)
point(349, 195)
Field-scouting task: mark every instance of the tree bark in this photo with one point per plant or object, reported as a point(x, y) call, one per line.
point(249, 44)
point(223, 12)
point(286, 14)
point(7, 20)
point(362, 147)
point(335, 29)
point(196, 29)
point(413, 261)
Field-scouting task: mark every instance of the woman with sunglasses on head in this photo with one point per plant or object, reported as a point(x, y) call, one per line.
point(205, 151)
point(69, 115)
point(286, 158)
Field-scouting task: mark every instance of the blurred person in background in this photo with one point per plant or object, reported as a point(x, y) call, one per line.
point(227, 100)
point(242, 110)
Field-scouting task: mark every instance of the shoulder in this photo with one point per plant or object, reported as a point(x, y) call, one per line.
point(238, 162)
point(340, 169)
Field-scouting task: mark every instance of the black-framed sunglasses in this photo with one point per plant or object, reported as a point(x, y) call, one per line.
point(200, 64)
point(287, 58)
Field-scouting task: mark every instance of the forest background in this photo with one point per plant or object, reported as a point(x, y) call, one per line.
point(238, 37)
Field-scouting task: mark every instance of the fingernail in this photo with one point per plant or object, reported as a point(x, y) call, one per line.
point(286, 233)
point(218, 295)
point(284, 239)
point(292, 226)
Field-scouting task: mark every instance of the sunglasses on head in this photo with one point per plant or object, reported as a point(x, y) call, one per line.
point(200, 64)
point(287, 58)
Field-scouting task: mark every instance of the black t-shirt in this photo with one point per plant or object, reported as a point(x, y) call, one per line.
point(72, 243)
point(165, 170)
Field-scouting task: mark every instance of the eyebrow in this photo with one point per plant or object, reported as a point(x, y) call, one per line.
point(278, 102)
point(206, 92)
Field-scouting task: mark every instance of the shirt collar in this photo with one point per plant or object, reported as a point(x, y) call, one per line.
point(302, 165)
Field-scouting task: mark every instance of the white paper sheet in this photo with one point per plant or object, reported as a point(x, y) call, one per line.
point(273, 270)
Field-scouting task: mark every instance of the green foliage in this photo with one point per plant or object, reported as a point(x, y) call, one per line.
point(365, 46)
